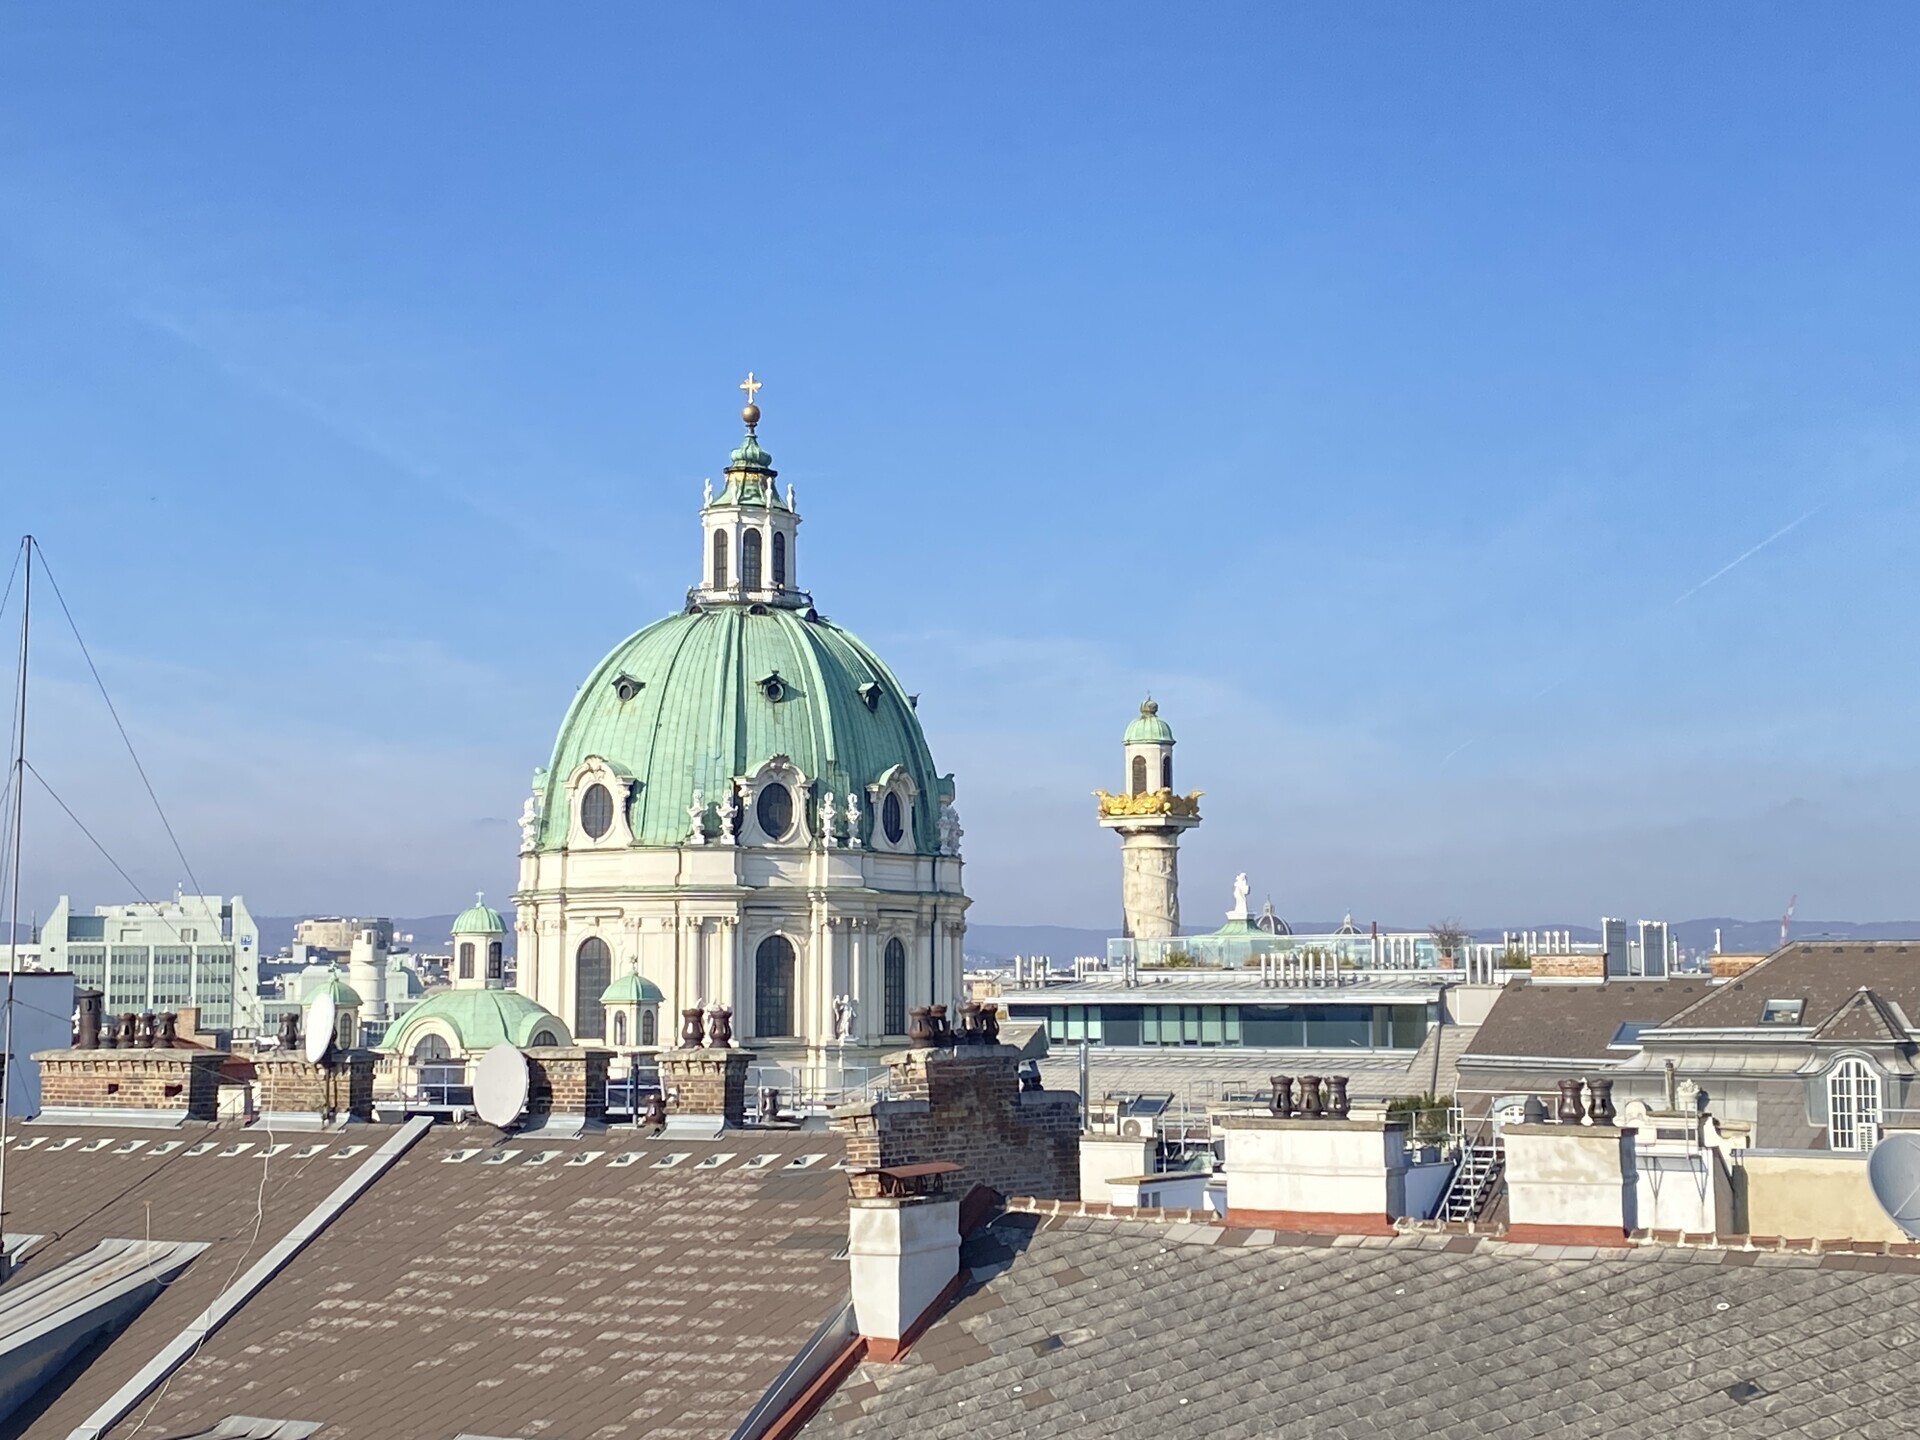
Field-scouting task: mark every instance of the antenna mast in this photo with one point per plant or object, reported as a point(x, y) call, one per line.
point(19, 782)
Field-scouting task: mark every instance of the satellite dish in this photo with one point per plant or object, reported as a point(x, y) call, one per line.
point(1893, 1170)
point(500, 1085)
point(320, 1027)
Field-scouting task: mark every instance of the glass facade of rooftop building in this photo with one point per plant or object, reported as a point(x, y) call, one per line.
point(1343, 1026)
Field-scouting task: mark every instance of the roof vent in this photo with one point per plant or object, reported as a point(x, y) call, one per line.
point(626, 687)
point(772, 686)
point(870, 693)
point(1741, 1391)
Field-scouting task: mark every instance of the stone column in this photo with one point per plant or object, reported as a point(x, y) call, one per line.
point(1150, 883)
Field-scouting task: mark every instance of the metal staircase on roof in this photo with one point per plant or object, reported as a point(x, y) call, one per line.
point(1483, 1162)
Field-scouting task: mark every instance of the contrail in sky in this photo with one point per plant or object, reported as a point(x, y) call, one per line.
point(1742, 559)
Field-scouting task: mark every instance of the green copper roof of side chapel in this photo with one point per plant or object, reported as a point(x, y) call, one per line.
point(1147, 728)
point(479, 918)
point(480, 1018)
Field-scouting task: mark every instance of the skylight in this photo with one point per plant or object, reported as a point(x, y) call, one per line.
point(1627, 1037)
point(1782, 1012)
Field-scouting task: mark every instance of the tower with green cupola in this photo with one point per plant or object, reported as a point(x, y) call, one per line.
point(1150, 816)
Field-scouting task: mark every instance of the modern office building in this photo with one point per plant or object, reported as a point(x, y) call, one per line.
point(1642, 951)
point(197, 950)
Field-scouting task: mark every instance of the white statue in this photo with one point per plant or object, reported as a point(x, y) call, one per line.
point(827, 814)
point(845, 1011)
point(948, 828)
point(706, 490)
point(529, 824)
point(853, 820)
point(1239, 910)
point(730, 820)
point(1686, 1095)
point(697, 820)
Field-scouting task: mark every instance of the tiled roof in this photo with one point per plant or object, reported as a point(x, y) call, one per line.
point(1865, 1018)
point(1142, 1329)
point(1575, 1022)
point(1826, 974)
point(80, 1186)
point(607, 1287)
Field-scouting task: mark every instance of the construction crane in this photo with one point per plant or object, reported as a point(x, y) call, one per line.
point(1786, 920)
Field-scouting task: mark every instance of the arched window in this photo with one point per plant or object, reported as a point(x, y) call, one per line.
point(496, 963)
point(720, 559)
point(649, 1034)
point(432, 1050)
point(750, 560)
point(592, 973)
point(544, 1037)
point(466, 960)
point(1166, 772)
point(1139, 774)
point(620, 1028)
point(1853, 1105)
point(773, 987)
point(893, 988)
point(779, 559)
point(893, 822)
point(596, 810)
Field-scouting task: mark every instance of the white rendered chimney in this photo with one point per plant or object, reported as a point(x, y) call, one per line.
point(904, 1258)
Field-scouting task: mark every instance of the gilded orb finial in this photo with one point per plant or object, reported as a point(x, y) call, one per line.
point(750, 412)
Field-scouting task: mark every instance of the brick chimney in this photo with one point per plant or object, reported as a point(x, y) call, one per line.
point(138, 1086)
point(567, 1087)
point(1569, 967)
point(704, 1083)
point(296, 1094)
point(965, 1105)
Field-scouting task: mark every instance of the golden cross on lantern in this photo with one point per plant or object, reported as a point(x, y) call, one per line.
point(751, 386)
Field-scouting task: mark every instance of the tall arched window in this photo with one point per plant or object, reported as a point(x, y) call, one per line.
point(773, 987)
point(1139, 774)
point(779, 559)
point(592, 973)
point(466, 960)
point(750, 560)
point(1166, 772)
point(648, 1025)
point(720, 558)
point(893, 988)
point(620, 1029)
point(496, 962)
point(1853, 1105)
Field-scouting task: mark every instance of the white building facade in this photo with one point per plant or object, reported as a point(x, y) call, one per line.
point(197, 950)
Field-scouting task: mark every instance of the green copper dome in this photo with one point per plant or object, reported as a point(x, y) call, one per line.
point(479, 918)
point(331, 985)
point(1147, 727)
point(631, 989)
point(697, 699)
point(480, 1018)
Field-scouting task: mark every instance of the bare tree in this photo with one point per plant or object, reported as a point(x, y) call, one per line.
point(1449, 935)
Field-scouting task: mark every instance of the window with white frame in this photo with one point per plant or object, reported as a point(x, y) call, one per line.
point(1853, 1105)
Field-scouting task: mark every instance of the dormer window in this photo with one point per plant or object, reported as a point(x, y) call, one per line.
point(626, 687)
point(1782, 1012)
point(773, 687)
point(869, 692)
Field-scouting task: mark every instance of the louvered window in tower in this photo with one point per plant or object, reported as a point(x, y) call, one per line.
point(720, 559)
point(1139, 774)
point(779, 559)
point(750, 560)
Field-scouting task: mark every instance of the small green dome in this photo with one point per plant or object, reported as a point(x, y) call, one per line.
point(722, 690)
point(479, 918)
point(1147, 727)
point(630, 989)
point(331, 985)
point(480, 1019)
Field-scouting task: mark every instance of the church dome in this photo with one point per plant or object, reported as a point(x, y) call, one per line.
point(479, 1019)
point(700, 698)
point(632, 989)
point(333, 987)
point(1147, 728)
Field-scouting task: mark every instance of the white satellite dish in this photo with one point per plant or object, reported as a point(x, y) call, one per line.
point(320, 1021)
point(500, 1085)
point(1893, 1170)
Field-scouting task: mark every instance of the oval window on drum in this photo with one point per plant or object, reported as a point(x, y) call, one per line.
point(893, 818)
point(773, 807)
point(596, 811)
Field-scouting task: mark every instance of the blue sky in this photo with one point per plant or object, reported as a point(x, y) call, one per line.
point(1377, 384)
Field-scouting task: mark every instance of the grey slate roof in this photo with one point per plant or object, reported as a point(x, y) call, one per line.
point(1146, 1331)
point(1826, 974)
point(1575, 1022)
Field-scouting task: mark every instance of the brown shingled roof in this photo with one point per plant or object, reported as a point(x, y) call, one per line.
point(1826, 974)
point(1865, 1018)
point(1575, 1022)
